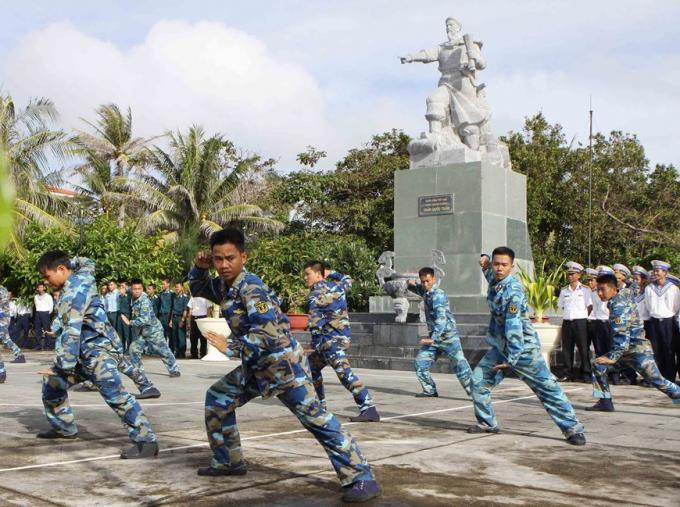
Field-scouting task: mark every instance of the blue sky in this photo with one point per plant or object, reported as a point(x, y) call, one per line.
point(278, 76)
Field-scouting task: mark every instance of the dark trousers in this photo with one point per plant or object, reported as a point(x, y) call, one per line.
point(575, 333)
point(178, 341)
point(41, 323)
point(600, 335)
point(125, 332)
point(22, 324)
point(661, 334)
point(195, 337)
point(167, 330)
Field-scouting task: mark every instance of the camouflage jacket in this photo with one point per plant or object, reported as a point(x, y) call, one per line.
point(510, 330)
point(627, 327)
point(4, 306)
point(143, 316)
point(438, 315)
point(260, 331)
point(327, 306)
point(83, 325)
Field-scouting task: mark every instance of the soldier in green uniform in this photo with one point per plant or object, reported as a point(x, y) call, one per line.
point(178, 321)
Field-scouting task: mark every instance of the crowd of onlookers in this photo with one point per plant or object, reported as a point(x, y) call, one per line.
point(30, 321)
point(585, 318)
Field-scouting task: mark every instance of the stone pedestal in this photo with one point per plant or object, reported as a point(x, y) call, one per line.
point(487, 208)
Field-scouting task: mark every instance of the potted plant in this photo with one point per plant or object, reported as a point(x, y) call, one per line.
point(540, 289)
point(295, 300)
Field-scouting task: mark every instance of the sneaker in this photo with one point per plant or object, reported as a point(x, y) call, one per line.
point(239, 468)
point(577, 439)
point(19, 359)
point(141, 450)
point(53, 434)
point(427, 395)
point(361, 491)
point(85, 387)
point(369, 415)
point(3, 377)
point(476, 428)
point(602, 405)
point(149, 393)
point(175, 374)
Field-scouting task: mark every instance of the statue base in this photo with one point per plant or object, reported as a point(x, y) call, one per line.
point(463, 210)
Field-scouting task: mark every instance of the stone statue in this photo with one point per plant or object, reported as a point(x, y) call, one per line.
point(395, 284)
point(457, 111)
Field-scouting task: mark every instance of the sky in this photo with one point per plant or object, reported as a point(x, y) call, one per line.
point(276, 77)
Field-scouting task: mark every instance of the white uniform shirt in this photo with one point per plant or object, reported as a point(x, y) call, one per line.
point(600, 309)
point(23, 309)
point(43, 303)
point(198, 306)
point(574, 303)
point(662, 302)
point(12, 308)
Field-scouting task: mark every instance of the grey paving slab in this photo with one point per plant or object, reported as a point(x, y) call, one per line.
point(420, 452)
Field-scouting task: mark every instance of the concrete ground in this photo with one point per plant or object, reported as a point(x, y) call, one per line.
point(420, 452)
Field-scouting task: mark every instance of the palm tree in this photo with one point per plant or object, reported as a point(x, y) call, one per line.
point(30, 145)
point(111, 149)
point(193, 192)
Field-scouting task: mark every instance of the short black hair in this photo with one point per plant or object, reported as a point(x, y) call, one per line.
point(151, 285)
point(232, 236)
point(179, 283)
point(608, 279)
point(503, 250)
point(426, 271)
point(165, 280)
point(136, 281)
point(122, 280)
point(52, 260)
point(316, 266)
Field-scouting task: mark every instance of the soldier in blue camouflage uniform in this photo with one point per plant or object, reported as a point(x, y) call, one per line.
point(272, 364)
point(87, 348)
point(148, 331)
point(515, 346)
point(443, 339)
point(331, 335)
point(4, 326)
point(629, 347)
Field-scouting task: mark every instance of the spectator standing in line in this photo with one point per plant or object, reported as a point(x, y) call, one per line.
point(178, 321)
point(44, 305)
point(576, 303)
point(125, 309)
point(165, 299)
point(198, 309)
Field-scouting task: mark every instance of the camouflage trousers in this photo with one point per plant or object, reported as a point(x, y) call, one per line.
point(234, 390)
point(2, 366)
point(102, 370)
point(4, 332)
point(330, 352)
point(450, 348)
point(532, 369)
point(154, 343)
point(7, 342)
point(641, 361)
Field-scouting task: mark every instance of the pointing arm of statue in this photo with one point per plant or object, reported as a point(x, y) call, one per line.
point(423, 56)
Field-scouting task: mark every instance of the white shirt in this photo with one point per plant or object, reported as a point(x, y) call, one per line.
point(662, 302)
point(574, 303)
point(23, 309)
point(600, 309)
point(43, 303)
point(198, 306)
point(12, 308)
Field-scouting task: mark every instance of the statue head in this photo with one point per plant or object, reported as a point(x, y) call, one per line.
point(453, 27)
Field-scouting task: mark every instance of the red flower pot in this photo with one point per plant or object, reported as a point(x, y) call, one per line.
point(298, 321)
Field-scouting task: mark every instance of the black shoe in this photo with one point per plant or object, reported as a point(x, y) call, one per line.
point(427, 395)
point(368, 415)
point(53, 434)
point(85, 388)
point(3, 377)
point(141, 450)
point(602, 405)
point(565, 378)
point(148, 393)
point(239, 468)
point(361, 491)
point(19, 359)
point(175, 374)
point(476, 428)
point(577, 439)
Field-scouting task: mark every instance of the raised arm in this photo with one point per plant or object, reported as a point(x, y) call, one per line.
point(423, 56)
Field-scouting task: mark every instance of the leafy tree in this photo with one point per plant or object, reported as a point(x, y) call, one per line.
point(280, 261)
point(29, 143)
point(6, 199)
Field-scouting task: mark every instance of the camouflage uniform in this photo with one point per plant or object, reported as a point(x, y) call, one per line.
point(272, 364)
point(88, 348)
point(445, 340)
point(148, 333)
point(4, 325)
point(513, 340)
point(631, 348)
point(331, 335)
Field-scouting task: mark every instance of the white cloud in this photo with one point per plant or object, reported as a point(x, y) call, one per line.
point(181, 74)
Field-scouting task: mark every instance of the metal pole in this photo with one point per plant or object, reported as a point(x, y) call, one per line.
point(590, 186)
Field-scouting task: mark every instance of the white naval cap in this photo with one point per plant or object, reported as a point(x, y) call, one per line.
point(592, 272)
point(604, 270)
point(656, 264)
point(623, 268)
point(573, 267)
point(640, 271)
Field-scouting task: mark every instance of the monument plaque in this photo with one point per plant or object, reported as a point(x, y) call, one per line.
point(435, 205)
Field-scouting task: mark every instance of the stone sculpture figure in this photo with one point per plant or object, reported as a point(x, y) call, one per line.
point(457, 111)
point(395, 284)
